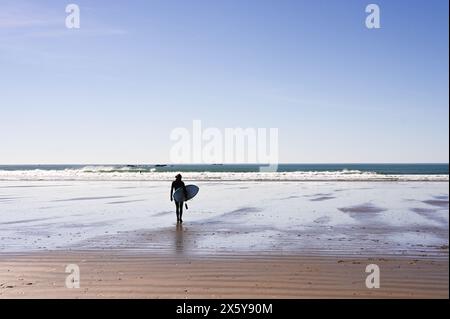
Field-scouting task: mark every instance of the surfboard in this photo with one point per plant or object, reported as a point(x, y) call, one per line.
point(191, 190)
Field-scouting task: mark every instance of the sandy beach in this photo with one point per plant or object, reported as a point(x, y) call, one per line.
point(279, 240)
point(112, 275)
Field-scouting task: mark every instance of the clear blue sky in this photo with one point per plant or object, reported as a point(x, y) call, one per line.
point(112, 91)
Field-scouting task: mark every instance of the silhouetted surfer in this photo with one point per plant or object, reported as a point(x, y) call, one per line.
point(177, 183)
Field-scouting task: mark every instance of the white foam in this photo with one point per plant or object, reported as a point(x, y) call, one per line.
point(110, 173)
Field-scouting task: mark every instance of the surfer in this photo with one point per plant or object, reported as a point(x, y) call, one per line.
point(177, 183)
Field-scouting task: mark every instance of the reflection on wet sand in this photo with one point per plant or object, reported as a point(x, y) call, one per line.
point(97, 215)
point(87, 198)
point(179, 245)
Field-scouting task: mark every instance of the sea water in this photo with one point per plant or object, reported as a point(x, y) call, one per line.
point(295, 172)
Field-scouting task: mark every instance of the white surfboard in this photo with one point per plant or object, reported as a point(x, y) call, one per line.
point(191, 190)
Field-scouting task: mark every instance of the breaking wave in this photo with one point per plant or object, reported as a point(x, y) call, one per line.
point(138, 173)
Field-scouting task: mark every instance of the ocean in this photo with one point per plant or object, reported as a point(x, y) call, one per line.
point(296, 172)
point(421, 169)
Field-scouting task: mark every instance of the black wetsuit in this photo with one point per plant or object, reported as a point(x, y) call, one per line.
point(179, 205)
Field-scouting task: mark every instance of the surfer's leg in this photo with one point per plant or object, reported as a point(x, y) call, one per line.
point(177, 205)
point(181, 211)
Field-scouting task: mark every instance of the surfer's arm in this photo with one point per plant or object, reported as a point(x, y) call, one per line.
point(171, 193)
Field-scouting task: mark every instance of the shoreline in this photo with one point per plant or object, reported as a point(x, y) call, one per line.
point(443, 180)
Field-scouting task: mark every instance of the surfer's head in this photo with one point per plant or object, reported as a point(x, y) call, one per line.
point(178, 177)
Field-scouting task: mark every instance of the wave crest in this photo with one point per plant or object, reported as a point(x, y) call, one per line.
point(136, 173)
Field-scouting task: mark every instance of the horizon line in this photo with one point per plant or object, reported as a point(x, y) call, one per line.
point(261, 164)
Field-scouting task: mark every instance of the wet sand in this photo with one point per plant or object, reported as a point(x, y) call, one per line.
point(377, 218)
point(239, 240)
point(124, 275)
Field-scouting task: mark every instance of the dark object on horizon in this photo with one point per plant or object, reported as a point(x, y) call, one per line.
point(160, 165)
